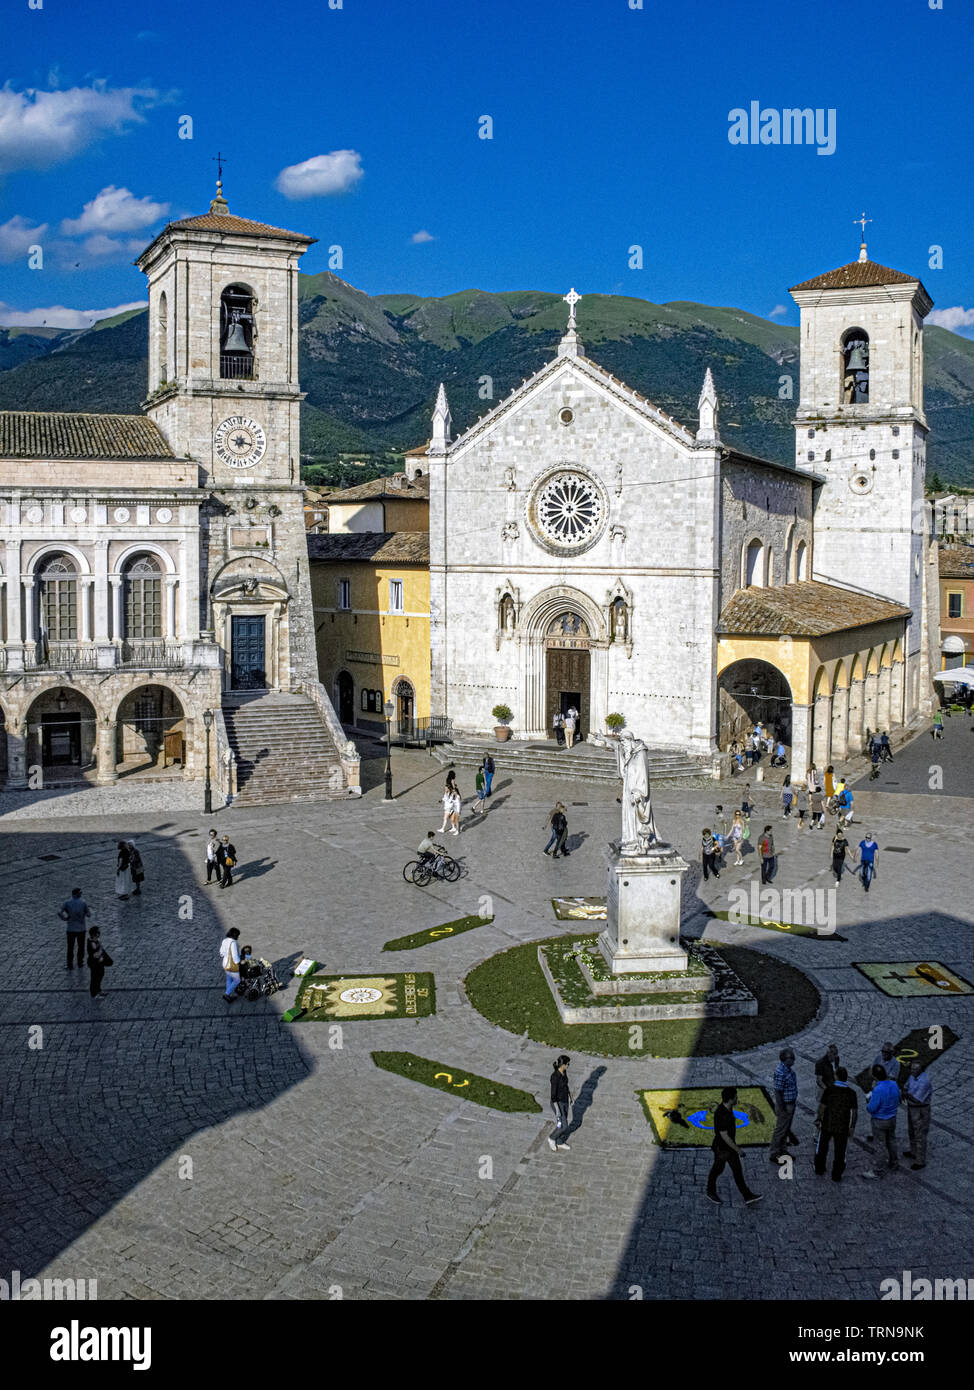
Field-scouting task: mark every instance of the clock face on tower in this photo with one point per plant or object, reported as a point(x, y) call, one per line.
point(240, 442)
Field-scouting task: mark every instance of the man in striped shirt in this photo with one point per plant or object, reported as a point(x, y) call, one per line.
point(785, 1088)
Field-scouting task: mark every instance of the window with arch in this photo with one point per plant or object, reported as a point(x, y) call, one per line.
point(770, 574)
point(855, 366)
point(801, 561)
point(142, 582)
point(754, 564)
point(162, 338)
point(238, 333)
point(58, 596)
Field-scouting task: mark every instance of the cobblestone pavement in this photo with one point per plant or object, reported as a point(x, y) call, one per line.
point(172, 1147)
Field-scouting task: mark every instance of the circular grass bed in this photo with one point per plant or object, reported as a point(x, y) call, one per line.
point(510, 990)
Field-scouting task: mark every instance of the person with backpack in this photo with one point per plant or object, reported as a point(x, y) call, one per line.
point(558, 821)
point(98, 959)
point(843, 802)
point(767, 855)
point(489, 767)
point(561, 1099)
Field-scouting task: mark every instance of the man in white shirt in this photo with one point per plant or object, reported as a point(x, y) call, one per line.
point(212, 862)
point(230, 960)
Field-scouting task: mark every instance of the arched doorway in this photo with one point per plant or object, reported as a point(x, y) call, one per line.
point(346, 698)
point(568, 669)
point(750, 691)
point(404, 697)
point(150, 730)
point(61, 728)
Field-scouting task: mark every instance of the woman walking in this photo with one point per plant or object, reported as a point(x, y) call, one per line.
point(840, 847)
point(811, 779)
point(456, 806)
point(817, 804)
point(708, 854)
point(561, 1099)
point(737, 837)
point(98, 959)
point(801, 805)
point(449, 791)
point(123, 872)
point(570, 724)
point(829, 782)
point(787, 797)
point(227, 860)
point(137, 868)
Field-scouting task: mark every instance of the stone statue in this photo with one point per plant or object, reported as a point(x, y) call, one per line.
point(639, 831)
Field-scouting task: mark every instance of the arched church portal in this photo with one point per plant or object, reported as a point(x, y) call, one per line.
point(752, 691)
point(568, 669)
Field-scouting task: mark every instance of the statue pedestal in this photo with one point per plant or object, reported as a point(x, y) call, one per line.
point(643, 919)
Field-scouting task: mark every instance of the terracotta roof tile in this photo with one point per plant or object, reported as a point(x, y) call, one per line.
point(806, 609)
point(855, 275)
point(377, 547)
point(957, 562)
point(30, 434)
point(226, 222)
point(382, 489)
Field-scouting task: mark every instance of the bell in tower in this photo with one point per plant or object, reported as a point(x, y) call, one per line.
point(236, 333)
point(855, 373)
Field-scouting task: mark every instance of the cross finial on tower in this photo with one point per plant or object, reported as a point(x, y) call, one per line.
point(218, 158)
point(861, 222)
point(571, 299)
point(219, 203)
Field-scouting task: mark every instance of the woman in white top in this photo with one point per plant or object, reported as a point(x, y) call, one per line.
point(737, 837)
point(456, 805)
point(123, 871)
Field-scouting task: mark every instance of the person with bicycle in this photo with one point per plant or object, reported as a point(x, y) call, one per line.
point(866, 859)
point(431, 853)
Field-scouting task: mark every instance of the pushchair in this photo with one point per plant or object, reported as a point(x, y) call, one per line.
point(257, 976)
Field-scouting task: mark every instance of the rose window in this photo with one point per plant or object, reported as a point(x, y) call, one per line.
point(569, 510)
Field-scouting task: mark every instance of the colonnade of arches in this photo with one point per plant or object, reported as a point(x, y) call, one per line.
point(866, 692)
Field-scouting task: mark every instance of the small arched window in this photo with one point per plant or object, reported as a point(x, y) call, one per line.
point(754, 564)
point(58, 593)
point(801, 561)
point(162, 338)
point(238, 333)
point(855, 366)
point(143, 598)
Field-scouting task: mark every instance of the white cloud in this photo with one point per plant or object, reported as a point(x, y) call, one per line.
point(99, 247)
point(954, 319)
point(40, 129)
point(15, 236)
point(422, 235)
point(778, 311)
point(57, 316)
point(114, 210)
point(321, 176)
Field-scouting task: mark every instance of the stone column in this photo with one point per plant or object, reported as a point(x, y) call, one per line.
point(840, 725)
point(883, 703)
point(17, 757)
point(115, 580)
point(822, 731)
point(801, 740)
point(170, 581)
point(86, 582)
point(30, 634)
point(105, 751)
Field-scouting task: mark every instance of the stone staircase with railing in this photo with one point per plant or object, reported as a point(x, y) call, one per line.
point(284, 750)
point(586, 762)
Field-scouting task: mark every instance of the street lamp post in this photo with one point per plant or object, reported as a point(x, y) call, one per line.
point(207, 790)
point(389, 710)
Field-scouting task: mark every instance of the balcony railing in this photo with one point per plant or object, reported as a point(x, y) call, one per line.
point(59, 656)
point(238, 366)
point(158, 655)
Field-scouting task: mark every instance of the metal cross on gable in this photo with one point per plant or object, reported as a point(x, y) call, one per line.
point(861, 222)
point(571, 299)
point(219, 159)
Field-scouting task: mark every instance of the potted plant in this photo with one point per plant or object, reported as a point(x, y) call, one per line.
point(615, 724)
point(503, 715)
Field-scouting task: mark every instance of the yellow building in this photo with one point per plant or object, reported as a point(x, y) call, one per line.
point(956, 606)
point(396, 503)
point(371, 595)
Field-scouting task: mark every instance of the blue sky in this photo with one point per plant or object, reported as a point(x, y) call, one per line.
point(610, 129)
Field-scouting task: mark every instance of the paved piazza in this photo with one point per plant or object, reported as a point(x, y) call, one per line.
point(172, 1147)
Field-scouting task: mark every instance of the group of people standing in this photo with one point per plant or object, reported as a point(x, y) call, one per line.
point(75, 913)
point(221, 859)
point(129, 871)
point(566, 726)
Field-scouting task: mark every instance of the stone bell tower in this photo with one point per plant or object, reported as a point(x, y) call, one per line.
point(860, 424)
point(224, 389)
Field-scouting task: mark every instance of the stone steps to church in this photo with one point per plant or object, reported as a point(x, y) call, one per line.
point(587, 764)
point(283, 750)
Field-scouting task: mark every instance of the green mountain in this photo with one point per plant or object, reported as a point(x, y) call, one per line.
point(370, 365)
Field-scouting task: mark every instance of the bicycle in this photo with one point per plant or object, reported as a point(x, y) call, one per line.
point(423, 871)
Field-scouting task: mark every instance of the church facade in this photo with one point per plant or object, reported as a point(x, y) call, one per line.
point(587, 550)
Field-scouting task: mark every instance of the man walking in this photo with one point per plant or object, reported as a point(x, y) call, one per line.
point(489, 768)
point(883, 1103)
point(213, 856)
point(480, 782)
point(725, 1151)
point(785, 1090)
point(98, 959)
point(561, 1099)
point(708, 855)
point(75, 912)
point(916, 1094)
point(767, 855)
point(838, 1110)
point(559, 831)
point(867, 859)
point(230, 960)
point(227, 859)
